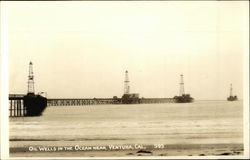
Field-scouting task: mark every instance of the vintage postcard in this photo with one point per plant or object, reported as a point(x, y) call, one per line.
point(125, 80)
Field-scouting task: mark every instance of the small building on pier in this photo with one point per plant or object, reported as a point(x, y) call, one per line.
point(130, 98)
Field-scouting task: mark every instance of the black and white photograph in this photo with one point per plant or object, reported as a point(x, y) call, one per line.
point(122, 79)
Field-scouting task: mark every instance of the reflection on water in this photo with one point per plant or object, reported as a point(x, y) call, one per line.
point(170, 123)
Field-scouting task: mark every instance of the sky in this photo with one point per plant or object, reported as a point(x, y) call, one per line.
point(82, 49)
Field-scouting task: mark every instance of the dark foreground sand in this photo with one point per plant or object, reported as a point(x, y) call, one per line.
point(146, 150)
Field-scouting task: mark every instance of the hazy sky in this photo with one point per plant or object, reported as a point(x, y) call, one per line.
point(82, 49)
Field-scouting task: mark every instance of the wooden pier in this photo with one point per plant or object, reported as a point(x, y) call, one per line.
point(157, 100)
point(18, 109)
point(99, 101)
point(81, 102)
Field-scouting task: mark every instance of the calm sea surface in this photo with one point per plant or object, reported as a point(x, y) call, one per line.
point(201, 122)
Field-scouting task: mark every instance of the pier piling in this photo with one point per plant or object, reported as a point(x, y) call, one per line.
point(16, 106)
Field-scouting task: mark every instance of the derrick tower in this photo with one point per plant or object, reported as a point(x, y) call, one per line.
point(31, 88)
point(126, 83)
point(182, 86)
point(231, 97)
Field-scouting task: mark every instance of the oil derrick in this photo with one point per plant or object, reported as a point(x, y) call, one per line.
point(31, 88)
point(129, 98)
point(231, 97)
point(183, 98)
point(182, 86)
point(126, 83)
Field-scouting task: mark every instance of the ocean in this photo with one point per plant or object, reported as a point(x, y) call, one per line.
point(201, 122)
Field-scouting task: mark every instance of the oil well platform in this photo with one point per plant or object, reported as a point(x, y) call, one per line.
point(30, 104)
point(231, 97)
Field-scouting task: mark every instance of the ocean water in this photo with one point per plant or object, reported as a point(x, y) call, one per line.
point(201, 122)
